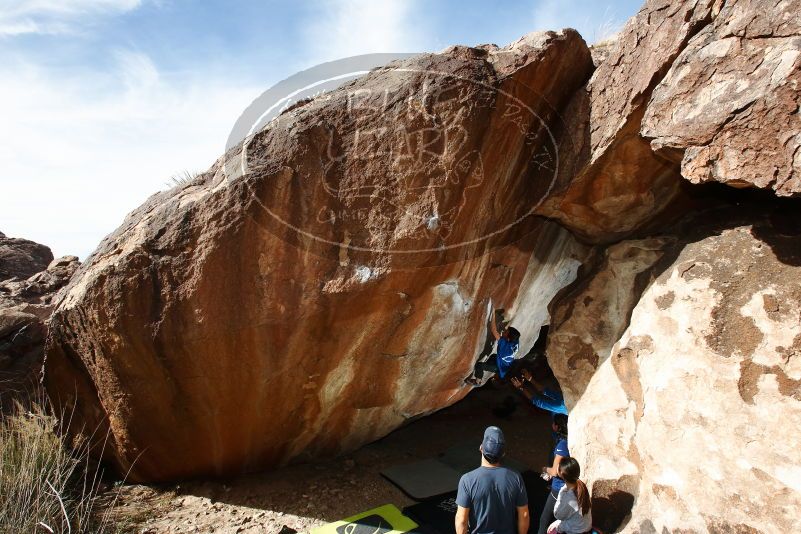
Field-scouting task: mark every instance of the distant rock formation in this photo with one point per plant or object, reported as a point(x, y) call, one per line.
point(20, 258)
point(31, 279)
point(330, 278)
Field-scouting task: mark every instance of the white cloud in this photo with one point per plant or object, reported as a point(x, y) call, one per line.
point(599, 21)
point(343, 28)
point(19, 17)
point(18, 27)
point(80, 149)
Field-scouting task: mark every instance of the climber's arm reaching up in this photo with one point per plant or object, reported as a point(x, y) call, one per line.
point(494, 327)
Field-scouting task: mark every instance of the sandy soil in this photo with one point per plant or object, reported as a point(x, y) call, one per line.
point(301, 497)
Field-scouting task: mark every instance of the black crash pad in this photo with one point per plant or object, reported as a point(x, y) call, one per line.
point(434, 477)
point(437, 515)
point(424, 479)
point(465, 457)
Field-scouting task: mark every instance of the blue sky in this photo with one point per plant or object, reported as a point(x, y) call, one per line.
point(102, 101)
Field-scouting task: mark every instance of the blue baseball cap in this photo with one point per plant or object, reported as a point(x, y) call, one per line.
point(494, 443)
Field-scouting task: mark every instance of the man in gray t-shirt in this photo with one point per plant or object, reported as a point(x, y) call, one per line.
point(492, 499)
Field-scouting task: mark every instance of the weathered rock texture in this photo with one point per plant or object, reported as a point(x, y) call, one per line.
point(618, 182)
point(21, 258)
point(334, 282)
point(675, 392)
point(25, 305)
point(728, 108)
point(705, 90)
point(678, 395)
point(592, 315)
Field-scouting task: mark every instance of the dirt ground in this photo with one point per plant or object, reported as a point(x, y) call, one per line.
point(302, 497)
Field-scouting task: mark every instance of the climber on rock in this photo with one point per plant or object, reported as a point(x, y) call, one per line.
point(508, 344)
point(543, 395)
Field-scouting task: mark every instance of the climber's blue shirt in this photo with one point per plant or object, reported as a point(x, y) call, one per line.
point(550, 401)
point(507, 350)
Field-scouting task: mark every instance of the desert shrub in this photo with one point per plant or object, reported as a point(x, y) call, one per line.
point(182, 179)
point(44, 486)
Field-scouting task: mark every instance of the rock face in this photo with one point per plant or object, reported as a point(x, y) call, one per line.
point(328, 279)
point(591, 316)
point(677, 396)
point(25, 305)
point(38, 292)
point(677, 352)
point(618, 183)
point(728, 107)
point(687, 90)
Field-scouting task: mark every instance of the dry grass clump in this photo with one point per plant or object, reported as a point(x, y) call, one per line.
point(182, 179)
point(45, 487)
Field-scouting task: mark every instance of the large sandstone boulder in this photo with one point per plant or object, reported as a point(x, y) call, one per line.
point(328, 279)
point(685, 397)
point(676, 353)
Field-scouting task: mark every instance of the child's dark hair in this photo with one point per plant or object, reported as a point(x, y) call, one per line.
point(569, 471)
point(560, 420)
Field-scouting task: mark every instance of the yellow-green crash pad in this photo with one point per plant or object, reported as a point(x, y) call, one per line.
point(385, 519)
